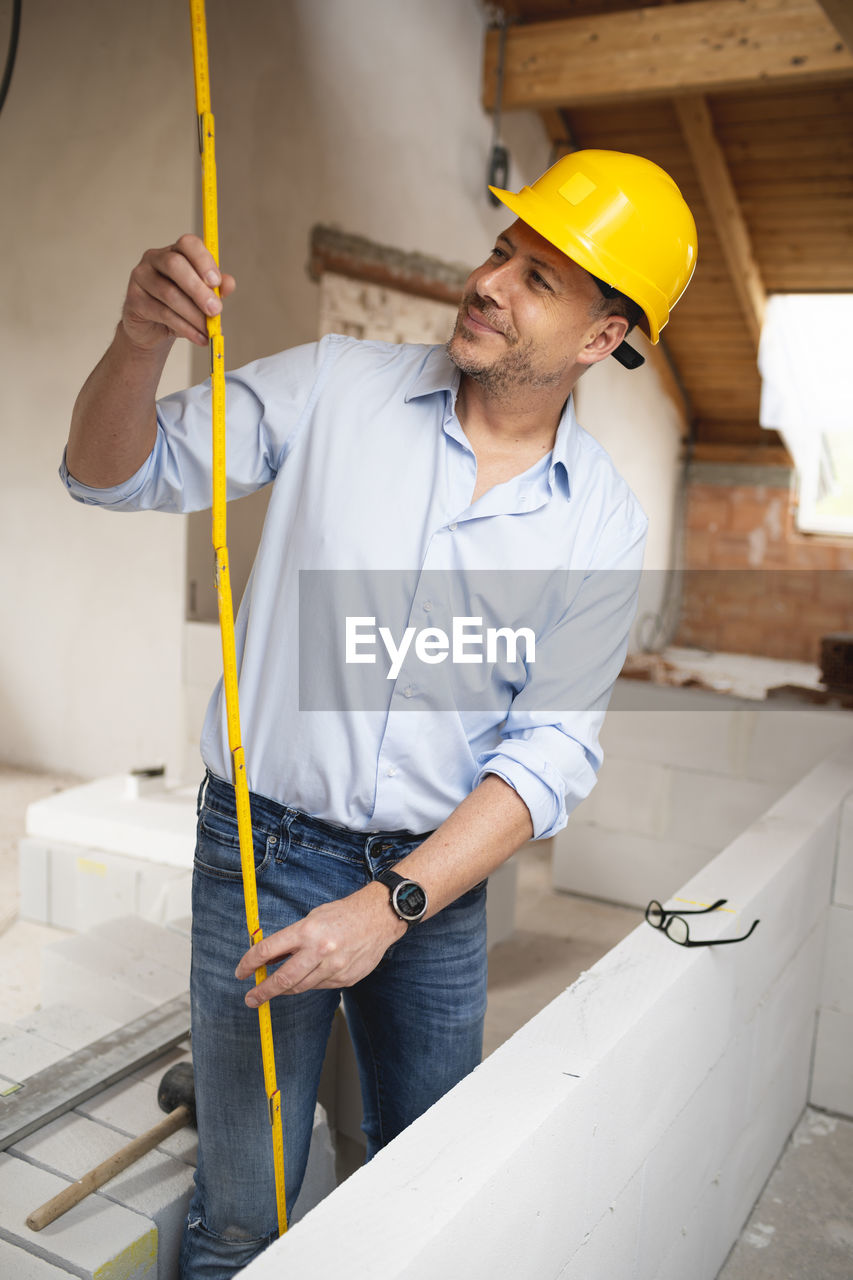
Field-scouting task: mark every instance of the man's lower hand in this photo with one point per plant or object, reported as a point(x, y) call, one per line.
point(335, 945)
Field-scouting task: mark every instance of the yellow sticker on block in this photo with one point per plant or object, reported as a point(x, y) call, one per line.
point(89, 867)
point(577, 188)
point(137, 1261)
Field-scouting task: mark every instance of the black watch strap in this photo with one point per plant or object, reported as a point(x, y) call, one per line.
point(408, 898)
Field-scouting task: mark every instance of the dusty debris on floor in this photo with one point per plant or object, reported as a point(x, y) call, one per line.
point(802, 1225)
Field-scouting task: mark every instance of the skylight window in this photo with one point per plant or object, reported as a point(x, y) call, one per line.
point(806, 365)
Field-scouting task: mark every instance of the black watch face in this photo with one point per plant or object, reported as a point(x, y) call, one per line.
point(410, 899)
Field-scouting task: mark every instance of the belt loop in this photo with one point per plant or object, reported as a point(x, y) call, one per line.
point(202, 792)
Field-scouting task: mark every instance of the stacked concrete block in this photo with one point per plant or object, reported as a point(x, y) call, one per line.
point(628, 1128)
point(158, 1187)
point(67, 1025)
point(118, 846)
point(23, 1054)
point(130, 1107)
point(75, 887)
point(123, 968)
point(832, 1081)
point(684, 772)
point(138, 1216)
point(27, 1266)
point(94, 1239)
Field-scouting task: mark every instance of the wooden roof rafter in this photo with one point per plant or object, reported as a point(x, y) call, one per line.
point(755, 123)
point(840, 15)
point(699, 47)
point(697, 126)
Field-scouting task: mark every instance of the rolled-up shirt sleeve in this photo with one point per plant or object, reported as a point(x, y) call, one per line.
point(266, 405)
point(549, 750)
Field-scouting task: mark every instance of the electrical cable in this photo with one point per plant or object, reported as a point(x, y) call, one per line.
point(498, 174)
point(12, 51)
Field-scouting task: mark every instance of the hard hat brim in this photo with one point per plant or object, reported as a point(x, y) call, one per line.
point(525, 204)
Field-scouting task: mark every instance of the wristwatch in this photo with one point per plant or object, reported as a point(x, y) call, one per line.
point(408, 899)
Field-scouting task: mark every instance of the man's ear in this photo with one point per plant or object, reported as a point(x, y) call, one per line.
point(606, 340)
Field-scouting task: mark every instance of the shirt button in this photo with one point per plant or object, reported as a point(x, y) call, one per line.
point(408, 691)
point(427, 606)
point(391, 773)
point(452, 527)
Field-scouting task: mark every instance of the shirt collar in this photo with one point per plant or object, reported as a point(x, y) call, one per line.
point(437, 372)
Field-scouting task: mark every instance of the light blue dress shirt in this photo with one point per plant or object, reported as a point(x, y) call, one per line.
point(370, 511)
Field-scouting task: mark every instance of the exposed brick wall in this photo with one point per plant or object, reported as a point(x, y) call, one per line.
point(755, 583)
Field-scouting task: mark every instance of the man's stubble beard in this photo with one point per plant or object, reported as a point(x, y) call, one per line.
point(513, 370)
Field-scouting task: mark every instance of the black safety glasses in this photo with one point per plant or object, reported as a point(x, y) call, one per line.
point(677, 929)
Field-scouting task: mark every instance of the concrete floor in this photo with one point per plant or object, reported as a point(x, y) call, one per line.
point(802, 1226)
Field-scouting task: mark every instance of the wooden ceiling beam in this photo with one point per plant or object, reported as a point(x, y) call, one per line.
point(840, 14)
point(559, 131)
point(718, 189)
point(700, 47)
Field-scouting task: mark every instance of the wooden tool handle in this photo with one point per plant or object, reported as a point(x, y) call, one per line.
point(108, 1168)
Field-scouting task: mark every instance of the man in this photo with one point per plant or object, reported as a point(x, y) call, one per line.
point(438, 465)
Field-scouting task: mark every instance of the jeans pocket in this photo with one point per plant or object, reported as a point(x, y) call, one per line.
point(217, 850)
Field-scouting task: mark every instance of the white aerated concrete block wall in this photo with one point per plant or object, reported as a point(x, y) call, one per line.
point(684, 771)
point(832, 1082)
point(625, 1131)
point(119, 846)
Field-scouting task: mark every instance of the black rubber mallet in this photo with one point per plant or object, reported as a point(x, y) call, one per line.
point(176, 1095)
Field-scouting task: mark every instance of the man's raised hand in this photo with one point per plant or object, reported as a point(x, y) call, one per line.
point(170, 294)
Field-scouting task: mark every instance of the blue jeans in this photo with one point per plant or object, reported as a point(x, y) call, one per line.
point(416, 1021)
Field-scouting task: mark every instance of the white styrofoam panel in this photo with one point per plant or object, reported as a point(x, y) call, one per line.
point(94, 1239)
point(832, 1073)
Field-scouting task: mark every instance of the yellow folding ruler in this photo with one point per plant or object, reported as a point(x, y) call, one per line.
point(223, 585)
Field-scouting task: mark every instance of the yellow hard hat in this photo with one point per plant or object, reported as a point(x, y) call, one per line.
point(622, 218)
